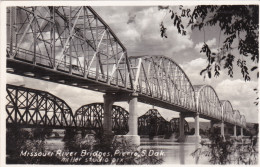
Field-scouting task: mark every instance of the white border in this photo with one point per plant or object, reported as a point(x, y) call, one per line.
point(5, 4)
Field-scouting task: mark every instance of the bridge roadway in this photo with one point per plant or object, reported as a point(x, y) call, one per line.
point(74, 46)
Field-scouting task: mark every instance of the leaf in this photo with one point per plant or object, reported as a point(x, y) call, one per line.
point(172, 16)
point(209, 74)
point(202, 71)
point(255, 67)
point(175, 20)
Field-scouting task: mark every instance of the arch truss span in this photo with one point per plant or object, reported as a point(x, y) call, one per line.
point(227, 111)
point(68, 39)
point(91, 117)
point(207, 101)
point(243, 121)
point(34, 108)
point(175, 125)
point(152, 123)
point(237, 118)
point(161, 78)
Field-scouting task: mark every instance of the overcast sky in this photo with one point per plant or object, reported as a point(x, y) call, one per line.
point(139, 31)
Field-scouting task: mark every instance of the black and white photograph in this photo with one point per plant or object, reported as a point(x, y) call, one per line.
point(129, 84)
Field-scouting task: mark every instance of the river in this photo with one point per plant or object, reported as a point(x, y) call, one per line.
point(174, 152)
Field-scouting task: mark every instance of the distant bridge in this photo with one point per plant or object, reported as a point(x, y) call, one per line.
point(74, 46)
point(30, 108)
point(152, 123)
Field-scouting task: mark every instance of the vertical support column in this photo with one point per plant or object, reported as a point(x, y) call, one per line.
point(212, 126)
point(241, 133)
point(108, 103)
point(53, 30)
point(85, 43)
point(197, 125)
point(181, 128)
point(34, 35)
point(222, 129)
point(197, 128)
point(132, 135)
point(70, 48)
point(11, 32)
point(235, 130)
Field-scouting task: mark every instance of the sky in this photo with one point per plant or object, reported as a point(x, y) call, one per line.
point(139, 31)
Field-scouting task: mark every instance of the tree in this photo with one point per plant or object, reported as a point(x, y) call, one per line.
point(236, 22)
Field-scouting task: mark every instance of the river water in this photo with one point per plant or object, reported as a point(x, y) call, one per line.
point(174, 152)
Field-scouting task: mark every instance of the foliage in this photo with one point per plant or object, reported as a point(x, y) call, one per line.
point(247, 152)
point(19, 139)
point(228, 150)
point(33, 140)
point(236, 22)
point(108, 144)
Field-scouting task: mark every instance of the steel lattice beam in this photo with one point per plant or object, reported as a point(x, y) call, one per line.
point(72, 40)
point(175, 125)
point(91, 117)
point(152, 123)
point(33, 108)
point(227, 111)
point(161, 78)
point(208, 103)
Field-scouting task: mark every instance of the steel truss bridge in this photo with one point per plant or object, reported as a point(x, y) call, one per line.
point(74, 46)
point(30, 108)
point(152, 123)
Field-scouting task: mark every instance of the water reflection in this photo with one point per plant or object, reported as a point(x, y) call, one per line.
point(175, 153)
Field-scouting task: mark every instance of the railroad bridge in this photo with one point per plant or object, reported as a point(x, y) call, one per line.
point(31, 108)
point(74, 46)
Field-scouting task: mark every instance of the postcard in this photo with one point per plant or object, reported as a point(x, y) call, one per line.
point(127, 83)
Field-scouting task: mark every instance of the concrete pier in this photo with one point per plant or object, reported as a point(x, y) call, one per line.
point(108, 103)
point(132, 136)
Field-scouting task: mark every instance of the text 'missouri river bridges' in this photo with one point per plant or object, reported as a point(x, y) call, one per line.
point(74, 46)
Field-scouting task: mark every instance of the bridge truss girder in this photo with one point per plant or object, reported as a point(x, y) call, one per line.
point(33, 108)
point(91, 117)
point(74, 40)
point(243, 121)
point(152, 123)
point(208, 103)
point(161, 78)
point(175, 125)
point(227, 111)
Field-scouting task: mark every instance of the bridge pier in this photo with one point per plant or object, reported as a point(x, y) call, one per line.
point(132, 136)
point(241, 133)
point(222, 129)
point(197, 125)
point(194, 138)
point(212, 126)
point(108, 104)
point(181, 128)
point(235, 131)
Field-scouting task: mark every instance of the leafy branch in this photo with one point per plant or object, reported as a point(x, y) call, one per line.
point(236, 22)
